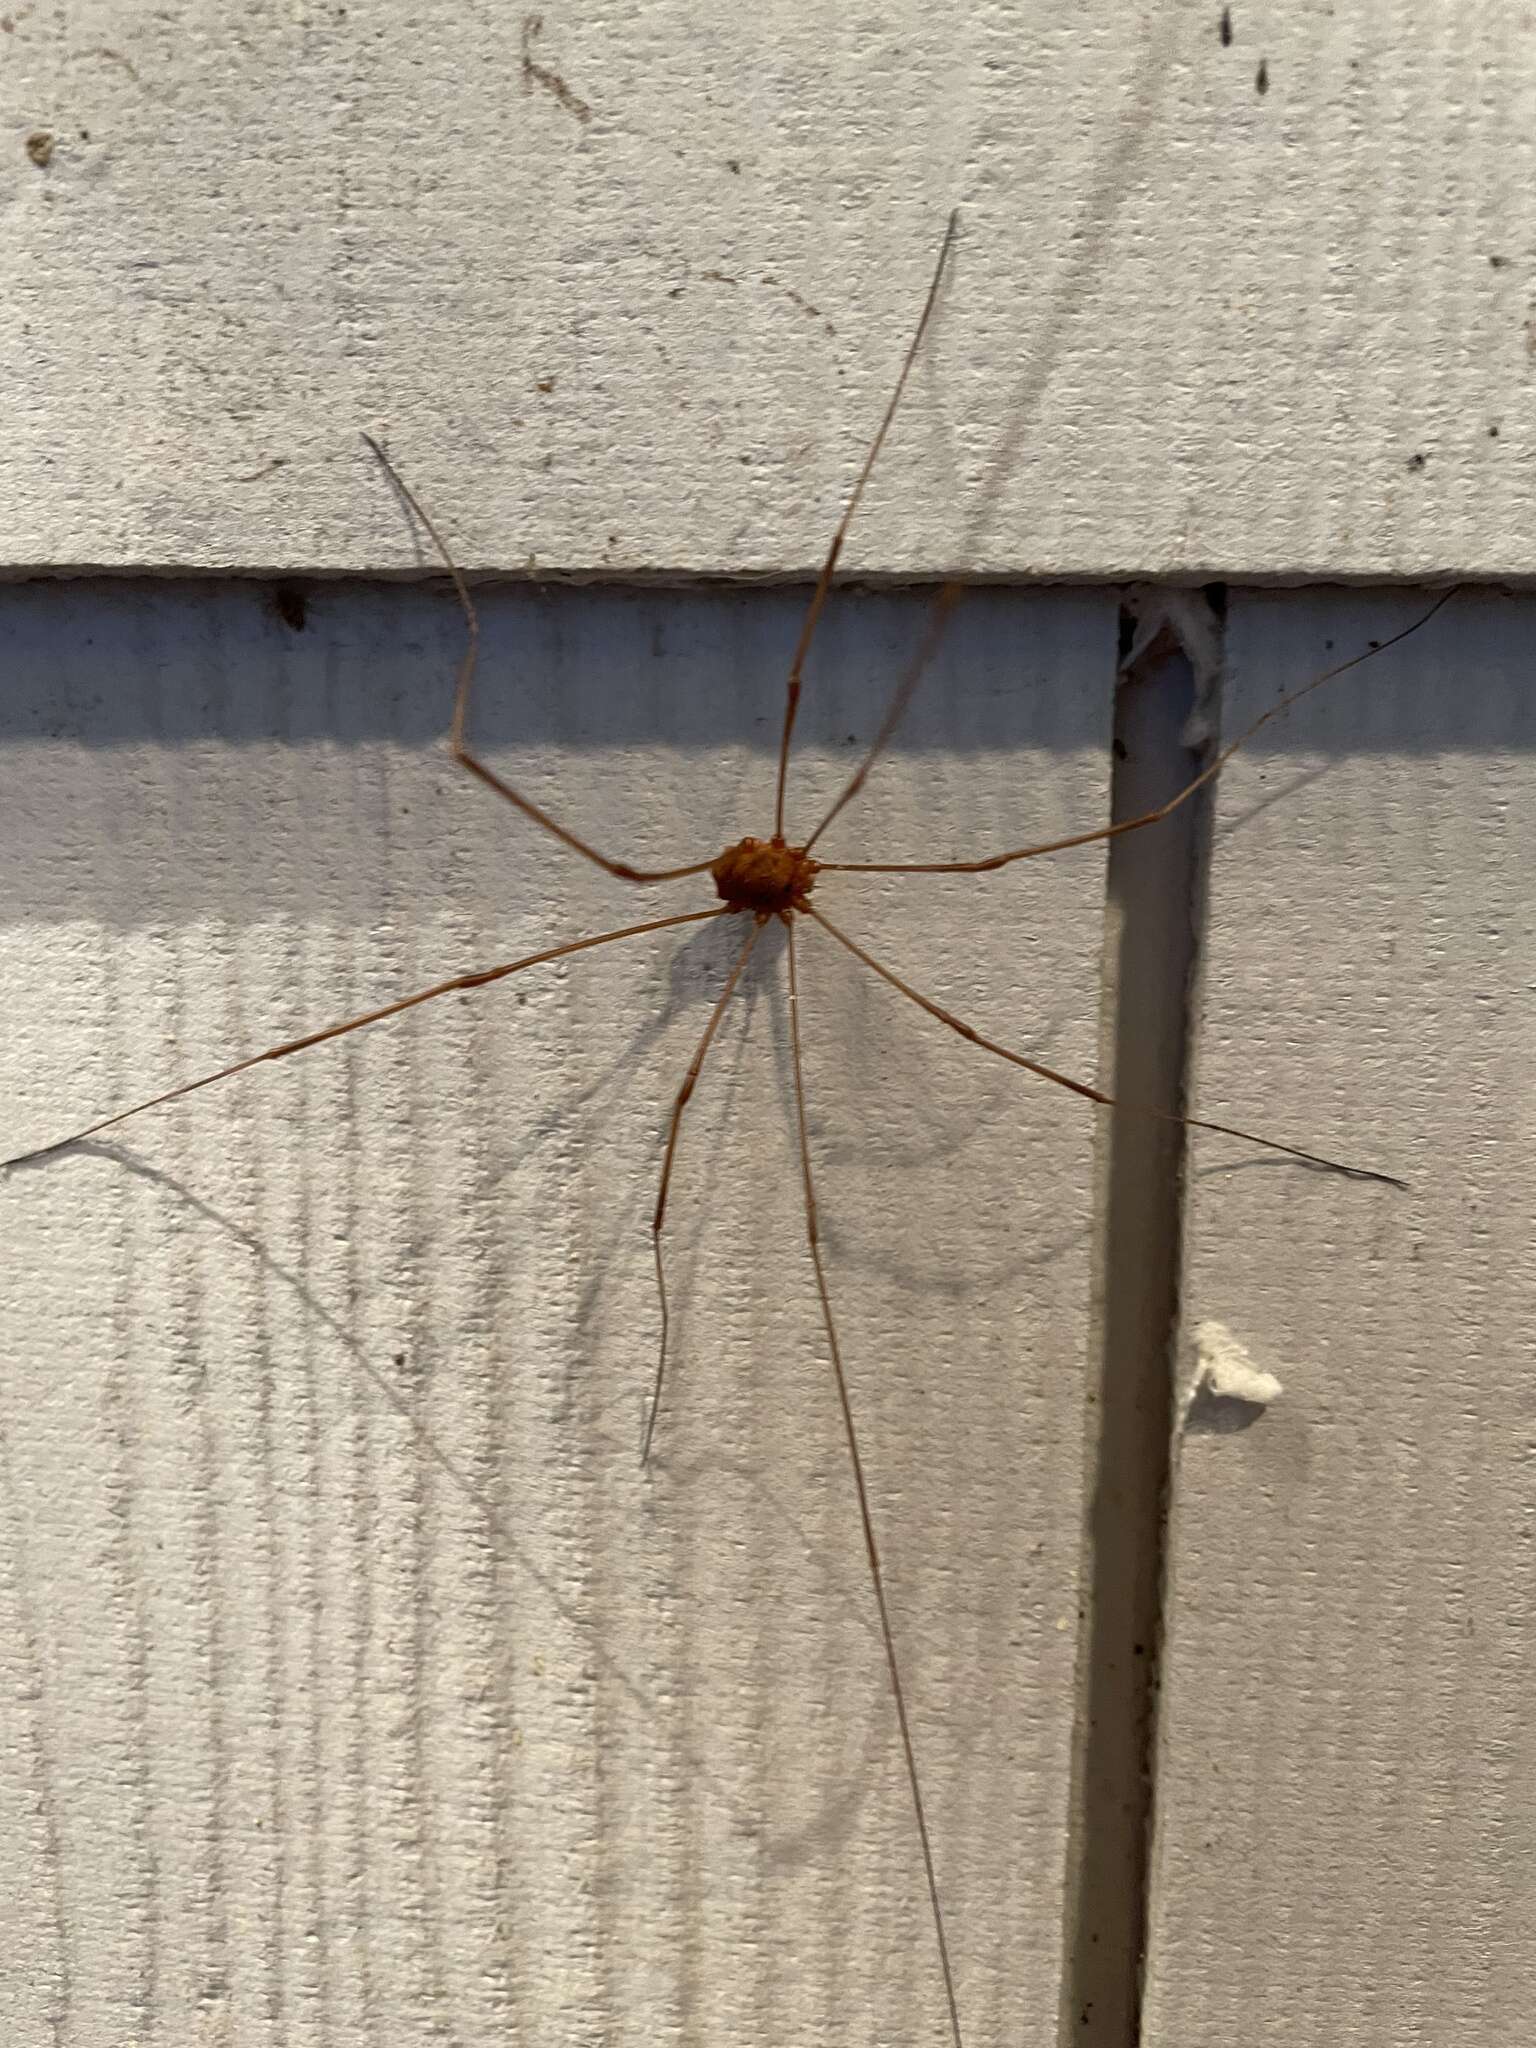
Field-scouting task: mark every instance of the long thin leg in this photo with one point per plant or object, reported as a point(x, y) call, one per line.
point(426, 995)
point(1098, 1095)
point(690, 1079)
point(949, 596)
point(824, 581)
point(871, 1547)
point(458, 745)
point(1002, 860)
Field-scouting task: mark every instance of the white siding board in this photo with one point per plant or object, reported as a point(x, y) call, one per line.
point(1193, 329)
point(357, 1683)
point(1347, 1821)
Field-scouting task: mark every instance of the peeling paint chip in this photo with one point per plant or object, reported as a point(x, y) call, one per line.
point(1227, 1371)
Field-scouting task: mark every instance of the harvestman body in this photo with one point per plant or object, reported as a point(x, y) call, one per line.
point(762, 880)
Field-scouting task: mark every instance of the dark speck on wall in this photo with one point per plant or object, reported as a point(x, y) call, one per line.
point(1226, 28)
point(291, 606)
point(1417, 461)
point(1497, 262)
point(1261, 78)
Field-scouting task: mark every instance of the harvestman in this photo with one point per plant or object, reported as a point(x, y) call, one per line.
point(763, 880)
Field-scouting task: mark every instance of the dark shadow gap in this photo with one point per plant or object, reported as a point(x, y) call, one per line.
point(1155, 889)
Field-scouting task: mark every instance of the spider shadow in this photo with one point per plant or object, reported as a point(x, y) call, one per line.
point(505, 1545)
point(1229, 1169)
point(939, 1139)
point(1229, 827)
point(683, 984)
point(843, 1598)
point(690, 981)
point(629, 1230)
point(690, 970)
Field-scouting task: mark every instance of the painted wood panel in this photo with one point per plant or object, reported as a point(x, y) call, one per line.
point(358, 1680)
point(1243, 290)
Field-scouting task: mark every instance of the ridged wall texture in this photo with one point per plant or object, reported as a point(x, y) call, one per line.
point(1348, 1822)
point(358, 1686)
point(359, 1683)
point(624, 287)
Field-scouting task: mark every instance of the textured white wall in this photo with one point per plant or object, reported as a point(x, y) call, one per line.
point(1348, 1828)
point(357, 1686)
point(641, 319)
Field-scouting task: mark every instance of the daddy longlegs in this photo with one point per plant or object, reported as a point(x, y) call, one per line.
point(772, 880)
